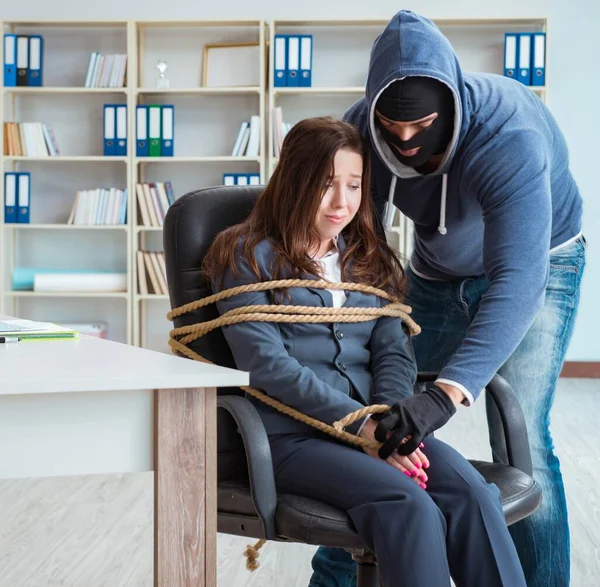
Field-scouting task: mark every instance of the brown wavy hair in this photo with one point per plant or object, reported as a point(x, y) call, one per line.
point(285, 214)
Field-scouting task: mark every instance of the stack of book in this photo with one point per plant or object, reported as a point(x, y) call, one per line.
point(106, 71)
point(247, 142)
point(154, 200)
point(152, 273)
point(29, 139)
point(29, 330)
point(99, 206)
point(280, 129)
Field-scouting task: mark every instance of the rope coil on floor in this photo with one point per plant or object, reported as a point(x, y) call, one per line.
point(179, 338)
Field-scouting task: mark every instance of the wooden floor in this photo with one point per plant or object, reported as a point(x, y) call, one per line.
point(97, 531)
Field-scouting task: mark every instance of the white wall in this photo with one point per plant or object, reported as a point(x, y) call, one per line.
point(573, 50)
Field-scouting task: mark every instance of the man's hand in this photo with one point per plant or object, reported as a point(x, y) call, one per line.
point(412, 466)
point(415, 417)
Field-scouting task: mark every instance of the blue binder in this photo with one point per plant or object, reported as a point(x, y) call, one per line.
point(511, 54)
point(254, 179)
point(242, 179)
point(110, 128)
point(121, 130)
point(306, 60)
point(538, 69)
point(10, 60)
point(293, 60)
point(23, 196)
point(36, 60)
point(524, 70)
point(141, 131)
point(168, 130)
point(280, 61)
point(228, 179)
point(10, 197)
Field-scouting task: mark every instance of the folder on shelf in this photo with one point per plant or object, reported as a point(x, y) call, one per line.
point(10, 60)
point(10, 197)
point(23, 196)
point(524, 71)
point(241, 179)
point(254, 179)
point(121, 131)
point(280, 68)
point(36, 60)
point(141, 131)
point(22, 60)
point(168, 130)
point(510, 55)
point(30, 330)
point(538, 70)
point(293, 60)
point(110, 116)
point(306, 60)
point(154, 138)
point(228, 179)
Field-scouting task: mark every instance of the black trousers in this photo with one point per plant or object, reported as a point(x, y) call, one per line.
point(455, 527)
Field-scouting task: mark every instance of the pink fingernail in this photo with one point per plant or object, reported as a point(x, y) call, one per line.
point(407, 473)
point(423, 477)
point(423, 486)
point(418, 465)
point(421, 445)
point(426, 465)
point(414, 473)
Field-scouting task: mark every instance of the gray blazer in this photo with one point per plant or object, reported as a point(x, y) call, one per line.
point(323, 370)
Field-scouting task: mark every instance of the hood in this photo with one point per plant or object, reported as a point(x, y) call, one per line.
point(412, 45)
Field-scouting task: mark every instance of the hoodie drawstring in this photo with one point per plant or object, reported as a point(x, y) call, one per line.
point(442, 226)
point(389, 212)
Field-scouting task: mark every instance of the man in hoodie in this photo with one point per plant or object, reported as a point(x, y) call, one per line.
point(479, 165)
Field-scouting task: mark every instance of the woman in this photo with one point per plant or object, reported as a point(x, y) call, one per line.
point(315, 221)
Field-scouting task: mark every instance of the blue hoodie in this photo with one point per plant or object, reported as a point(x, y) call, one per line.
point(502, 198)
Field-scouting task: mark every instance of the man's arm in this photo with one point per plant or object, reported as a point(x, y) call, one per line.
point(514, 193)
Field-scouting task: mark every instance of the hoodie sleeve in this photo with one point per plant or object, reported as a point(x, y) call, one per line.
point(514, 193)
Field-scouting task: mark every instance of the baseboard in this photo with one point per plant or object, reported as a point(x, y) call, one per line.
point(581, 369)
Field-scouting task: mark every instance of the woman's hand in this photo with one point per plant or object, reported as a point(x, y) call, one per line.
point(412, 465)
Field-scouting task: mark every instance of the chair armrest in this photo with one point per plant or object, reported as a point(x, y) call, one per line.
point(512, 421)
point(258, 457)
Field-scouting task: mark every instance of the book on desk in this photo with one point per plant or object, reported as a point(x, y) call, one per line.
point(31, 330)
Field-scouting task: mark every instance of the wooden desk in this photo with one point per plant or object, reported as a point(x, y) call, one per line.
point(184, 434)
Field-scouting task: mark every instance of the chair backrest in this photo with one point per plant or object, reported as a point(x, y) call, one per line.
point(191, 224)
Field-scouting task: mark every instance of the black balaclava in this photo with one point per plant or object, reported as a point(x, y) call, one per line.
point(414, 98)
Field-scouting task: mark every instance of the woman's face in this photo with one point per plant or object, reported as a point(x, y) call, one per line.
point(341, 199)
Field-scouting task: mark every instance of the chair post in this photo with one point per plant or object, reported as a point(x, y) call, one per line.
point(368, 575)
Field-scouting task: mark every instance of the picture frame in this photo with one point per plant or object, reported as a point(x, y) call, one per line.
point(231, 65)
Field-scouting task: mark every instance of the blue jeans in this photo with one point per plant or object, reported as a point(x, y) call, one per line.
point(444, 311)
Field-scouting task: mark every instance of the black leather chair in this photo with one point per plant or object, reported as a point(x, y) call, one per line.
point(248, 502)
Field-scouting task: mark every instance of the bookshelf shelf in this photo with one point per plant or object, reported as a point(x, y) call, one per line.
point(215, 159)
point(63, 90)
point(201, 91)
point(148, 228)
point(66, 227)
point(150, 297)
point(319, 90)
point(70, 159)
point(63, 294)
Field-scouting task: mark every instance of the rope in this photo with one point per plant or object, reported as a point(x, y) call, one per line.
point(179, 338)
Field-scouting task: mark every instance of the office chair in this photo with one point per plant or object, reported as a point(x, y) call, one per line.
point(248, 502)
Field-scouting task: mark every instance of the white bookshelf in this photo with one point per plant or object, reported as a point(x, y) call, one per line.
point(48, 241)
point(340, 59)
point(207, 120)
